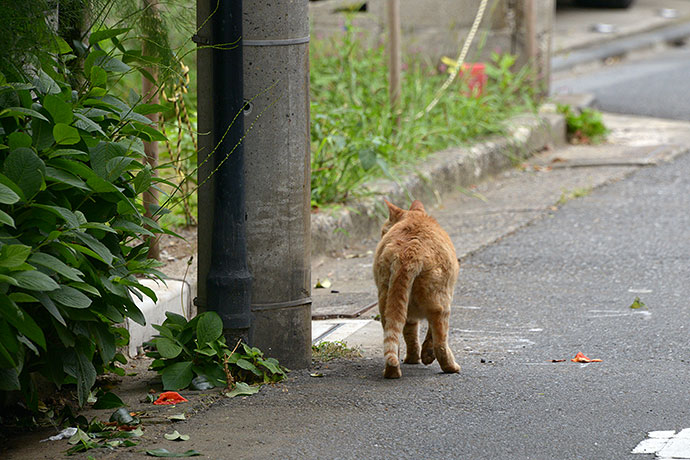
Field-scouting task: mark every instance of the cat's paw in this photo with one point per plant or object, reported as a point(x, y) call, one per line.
point(452, 368)
point(428, 356)
point(392, 372)
point(412, 359)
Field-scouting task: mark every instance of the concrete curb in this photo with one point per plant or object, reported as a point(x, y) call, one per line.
point(619, 46)
point(442, 172)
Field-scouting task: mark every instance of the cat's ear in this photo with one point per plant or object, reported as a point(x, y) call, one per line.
point(417, 206)
point(394, 212)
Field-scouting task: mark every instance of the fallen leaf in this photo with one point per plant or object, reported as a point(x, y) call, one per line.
point(79, 436)
point(580, 358)
point(177, 417)
point(637, 303)
point(123, 417)
point(176, 436)
point(169, 397)
point(242, 388)
point(325, 284)
point(162, 452)
point(558, 360)
point(316, 374)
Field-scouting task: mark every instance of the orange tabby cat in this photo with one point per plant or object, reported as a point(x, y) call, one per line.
point(415, 269)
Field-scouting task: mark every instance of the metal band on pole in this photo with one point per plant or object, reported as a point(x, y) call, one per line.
point(277, 42)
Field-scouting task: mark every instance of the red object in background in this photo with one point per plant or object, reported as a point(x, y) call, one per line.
point(473, 73)
point(169, 397)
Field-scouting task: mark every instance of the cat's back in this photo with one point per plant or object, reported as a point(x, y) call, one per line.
point(418, 238)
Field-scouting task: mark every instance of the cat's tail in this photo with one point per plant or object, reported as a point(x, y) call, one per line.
point(399, 289)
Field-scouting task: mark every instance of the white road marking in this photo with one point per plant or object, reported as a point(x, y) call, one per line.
point(666, 445)
point(336, 330)
point(617, 313)
point(640, 291)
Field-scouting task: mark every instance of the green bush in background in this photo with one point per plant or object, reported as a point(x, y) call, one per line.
point(355, 136)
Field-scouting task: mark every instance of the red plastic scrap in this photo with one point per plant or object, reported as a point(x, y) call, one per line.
point(169, 397)
point(581, 358)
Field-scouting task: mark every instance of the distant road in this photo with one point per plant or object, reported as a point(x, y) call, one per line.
point(657, 86)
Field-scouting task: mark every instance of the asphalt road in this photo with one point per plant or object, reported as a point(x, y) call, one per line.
point(656, 86)
point(560, 286)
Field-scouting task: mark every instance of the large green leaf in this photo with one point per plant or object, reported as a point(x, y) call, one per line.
point(21, 112)
point(80, 367)
point(87, 124)
point(21, 321)
point(6, 219)
point(63, 213)
point(135, 314)
point(45, 84)
point(19, 139)
point(96, 246)
point(14, 255)
point(55, 264)
point(108, 401)
point(177, 376)
point(60, 110)
point(112, 64)
point(9, 379)
point(63, 177)
point(4, 180)
point(49, 305)
point(104, 34)
point(25, 169)
point(65, 134)
point(142, 181)
point(7, 196)
point(34, 280)
point(147, 109)
point(98, 76)
point(167, 348)
point(116, 166)
point(42, 134)
point(209, 328)
point(244, 364)
point(128, 226)
point(105, 340)
point(84, 250)
point(70, 297)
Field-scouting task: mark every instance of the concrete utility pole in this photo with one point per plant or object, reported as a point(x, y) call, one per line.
point(275, 45)
point(278, 176)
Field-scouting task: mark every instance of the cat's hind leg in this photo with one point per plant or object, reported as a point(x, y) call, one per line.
point(439, 324)
point(428, 356)
point(411, 335)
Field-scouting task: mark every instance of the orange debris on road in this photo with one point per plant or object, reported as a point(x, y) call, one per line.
point(580, 358)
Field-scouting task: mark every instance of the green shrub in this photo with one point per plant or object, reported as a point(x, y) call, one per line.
point(72, 167)
point(195, 353)
point(585, 126)
point(355, 136)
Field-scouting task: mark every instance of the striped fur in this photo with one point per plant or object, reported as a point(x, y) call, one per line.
point(415, 269)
